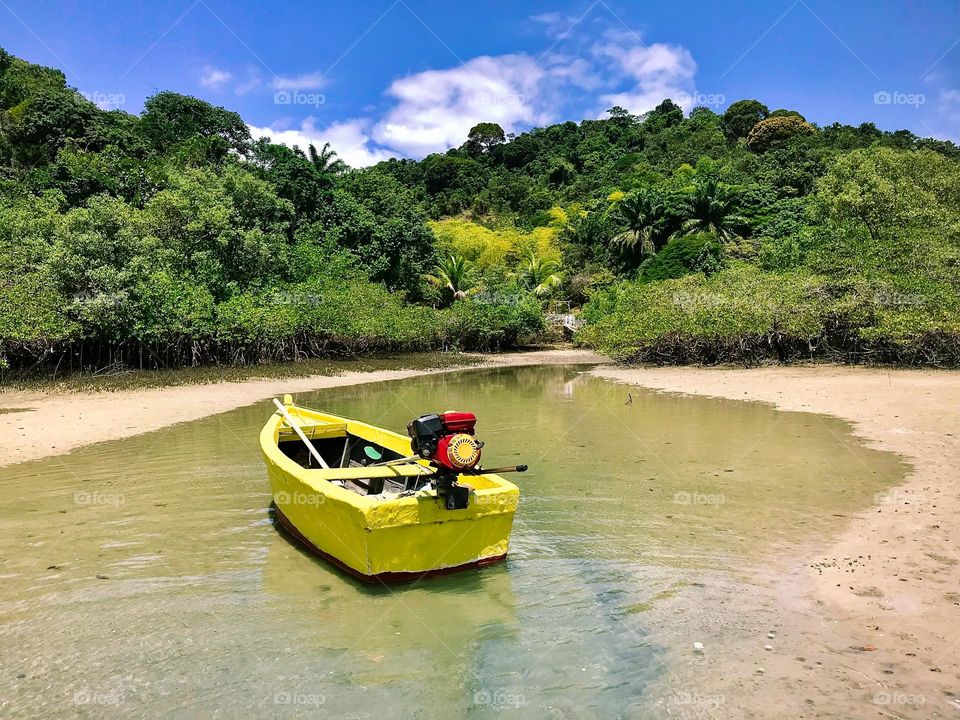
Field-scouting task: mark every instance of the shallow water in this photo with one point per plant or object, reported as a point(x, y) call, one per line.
point(144, 577)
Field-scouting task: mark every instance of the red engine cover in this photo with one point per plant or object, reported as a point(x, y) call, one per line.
point(442, 457)
point(457, 422)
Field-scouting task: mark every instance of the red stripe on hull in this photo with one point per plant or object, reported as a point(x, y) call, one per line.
point(387, 577)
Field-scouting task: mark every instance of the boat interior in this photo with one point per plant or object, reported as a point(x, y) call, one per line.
point(341, 449)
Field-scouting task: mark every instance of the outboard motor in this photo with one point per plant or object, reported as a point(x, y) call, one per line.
point(448, 442)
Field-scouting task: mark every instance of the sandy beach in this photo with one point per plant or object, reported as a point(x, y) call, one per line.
point(884, 598)
point(881, 602)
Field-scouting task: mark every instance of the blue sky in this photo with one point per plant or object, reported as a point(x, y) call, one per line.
point(408, 77)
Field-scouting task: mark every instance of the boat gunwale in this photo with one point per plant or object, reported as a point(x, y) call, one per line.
point(269, 438)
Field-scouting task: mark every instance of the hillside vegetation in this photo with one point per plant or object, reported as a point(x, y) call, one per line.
point(733, 237)
point(175, 238)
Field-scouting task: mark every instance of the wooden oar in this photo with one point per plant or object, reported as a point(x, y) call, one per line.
point(296, 428)
point(465, 471)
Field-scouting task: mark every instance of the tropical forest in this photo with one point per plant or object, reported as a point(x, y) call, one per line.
point(739, 235)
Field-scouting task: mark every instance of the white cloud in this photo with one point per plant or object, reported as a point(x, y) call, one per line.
point(556, 25)
point(214, 78)
point(435, 109)
point(656, 71)
point(305, 81)
point(579, 72)
point(349, 138)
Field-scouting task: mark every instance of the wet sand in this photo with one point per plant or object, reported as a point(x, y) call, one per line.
point(880, 610)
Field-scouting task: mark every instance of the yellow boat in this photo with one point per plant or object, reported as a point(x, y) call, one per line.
point(353, 494)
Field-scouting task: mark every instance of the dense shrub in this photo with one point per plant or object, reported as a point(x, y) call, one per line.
point(483, 325)
point(745, 315)
point(698, 252)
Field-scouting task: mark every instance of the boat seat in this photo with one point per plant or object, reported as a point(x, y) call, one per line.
point(321, 431)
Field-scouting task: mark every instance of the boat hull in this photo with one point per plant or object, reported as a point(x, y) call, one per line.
point(384, 577)
point(390, 539)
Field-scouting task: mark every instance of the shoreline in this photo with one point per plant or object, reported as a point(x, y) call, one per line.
point(884, 596)
point(36, 424)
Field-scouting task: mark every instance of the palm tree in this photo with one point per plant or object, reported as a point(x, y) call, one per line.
point(454, 276)
point(641, 213)
point(713, 208)
point(324, 161)
point(539, 276)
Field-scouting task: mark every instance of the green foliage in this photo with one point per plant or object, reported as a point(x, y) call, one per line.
point(776, 130)
point(739, 119)
point(740, 301)
point(325, 161)
point(785, 113)
point(485, 247)
point(587, 239)
point(878, 279)
point(169, 118)
point(380, 222)
point(712, 207)
point(176, 238)
point(884, 190)
point(698, 252)
point(641, 214)
point(452, 182)
point(483, 136)
point(307, 184)
point(43, 123)
point(484, 325)
point(454, 277)
point(780, 253)
point(539, 276)
point(665, 115)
